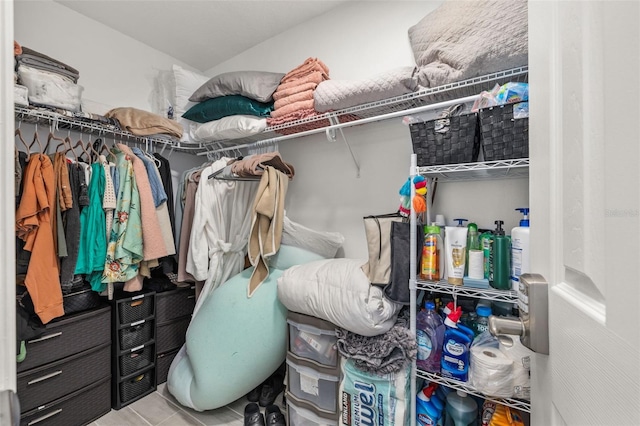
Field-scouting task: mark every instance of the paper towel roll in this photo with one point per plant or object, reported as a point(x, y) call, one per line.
point(476, 264)
point(491, 371)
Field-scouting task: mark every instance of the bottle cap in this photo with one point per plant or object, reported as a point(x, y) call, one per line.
point(461, 393)
point(448, 309)
point(432, 229)
point(430, 305)
point(499, 230)
point(461, 221)
point(453, 318)
point(483, 311)
point(525, 212)
point(472, 227)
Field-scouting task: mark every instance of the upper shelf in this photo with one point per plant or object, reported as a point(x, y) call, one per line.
point(399, 106)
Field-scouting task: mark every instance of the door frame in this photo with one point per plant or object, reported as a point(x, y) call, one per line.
point(7, 215)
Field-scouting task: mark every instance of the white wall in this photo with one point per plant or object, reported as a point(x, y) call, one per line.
point(115, 70)
point(357, 40)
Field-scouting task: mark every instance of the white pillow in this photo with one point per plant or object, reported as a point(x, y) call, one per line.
point(338, 291)
point(186, 83)
point(231, 127)
point(325, 244)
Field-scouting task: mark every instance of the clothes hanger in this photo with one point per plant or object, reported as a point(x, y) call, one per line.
point(36, 138)
point(55, 138)
point(70, 148)
point(18, 133)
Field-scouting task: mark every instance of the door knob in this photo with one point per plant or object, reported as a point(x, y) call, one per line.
point(533, 324)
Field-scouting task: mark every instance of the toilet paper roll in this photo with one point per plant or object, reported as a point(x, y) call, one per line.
point(521, 356)
point(476, 264)
point(491, 371)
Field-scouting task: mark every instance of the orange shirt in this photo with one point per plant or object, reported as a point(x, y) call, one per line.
point(33, 225)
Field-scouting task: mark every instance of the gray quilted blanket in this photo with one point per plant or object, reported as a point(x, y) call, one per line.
point(340, 94)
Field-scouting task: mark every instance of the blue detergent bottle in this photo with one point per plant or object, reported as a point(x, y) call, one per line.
point(455, 350)
point(461, 409)
point(428, 412)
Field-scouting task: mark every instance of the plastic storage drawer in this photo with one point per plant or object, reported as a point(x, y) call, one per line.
point(136, 387)
point(136, 308)
point(41, 385)
point(163, 363)
point(175, 304)
point(171, 335)
point(78, 408)
point(301, 414)
point(309, 382)
point(136, 359)
point(313, 338)
point(136, 334)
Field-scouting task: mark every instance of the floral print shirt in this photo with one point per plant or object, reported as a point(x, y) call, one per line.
point(124, 250)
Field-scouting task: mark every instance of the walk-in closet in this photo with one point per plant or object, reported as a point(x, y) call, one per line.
point(302, 213)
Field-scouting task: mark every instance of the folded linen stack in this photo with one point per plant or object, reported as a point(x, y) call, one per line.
point(294, 96)
point(49, 82)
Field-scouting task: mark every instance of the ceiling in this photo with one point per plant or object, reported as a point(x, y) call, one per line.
point(201, 33)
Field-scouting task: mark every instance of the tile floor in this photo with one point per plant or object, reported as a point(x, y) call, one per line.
point(161, 409)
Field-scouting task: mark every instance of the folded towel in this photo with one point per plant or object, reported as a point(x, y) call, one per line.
point(296, 97)
point(309, 66)
point(293, 90)
point(266, 224)
point(255, 165)
point(314, 77)
point(296, 106)
point(144, 123)
point(292, 116)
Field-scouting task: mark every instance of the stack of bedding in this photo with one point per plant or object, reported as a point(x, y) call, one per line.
point(49, 82)
point(228, 106)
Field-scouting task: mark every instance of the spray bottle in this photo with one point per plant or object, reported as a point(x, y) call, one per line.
point(520, 252)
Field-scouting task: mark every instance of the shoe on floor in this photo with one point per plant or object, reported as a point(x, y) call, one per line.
point(254, 395)
point(270, 391)
point(252, 415)
point(273, 416)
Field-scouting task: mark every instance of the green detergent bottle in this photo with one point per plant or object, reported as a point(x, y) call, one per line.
point(500, 254)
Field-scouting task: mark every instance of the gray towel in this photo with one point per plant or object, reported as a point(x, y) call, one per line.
point(382, 354)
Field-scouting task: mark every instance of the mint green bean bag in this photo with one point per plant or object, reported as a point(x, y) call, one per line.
point(233, 342)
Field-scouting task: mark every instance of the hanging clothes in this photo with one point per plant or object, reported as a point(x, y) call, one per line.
point(109, 200)
point(220, 231)
point(165, 175)
point(71, 225)
point(191, 187)
point(93, 241)
point(124, 250)
point(33, 225)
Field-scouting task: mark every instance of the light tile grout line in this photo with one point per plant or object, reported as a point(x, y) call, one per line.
point(139, 415)
point(179, 407)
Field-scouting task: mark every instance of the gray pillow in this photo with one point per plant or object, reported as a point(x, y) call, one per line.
point(466, 39)
point(256, 85)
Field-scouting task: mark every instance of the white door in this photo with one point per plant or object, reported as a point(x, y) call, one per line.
point(585, 191)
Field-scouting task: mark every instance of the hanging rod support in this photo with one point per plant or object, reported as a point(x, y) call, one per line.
point(334, 121)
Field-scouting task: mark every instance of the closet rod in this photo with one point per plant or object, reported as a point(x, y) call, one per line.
point(382, 117)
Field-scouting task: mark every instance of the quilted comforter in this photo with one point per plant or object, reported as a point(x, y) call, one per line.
point(340, 94)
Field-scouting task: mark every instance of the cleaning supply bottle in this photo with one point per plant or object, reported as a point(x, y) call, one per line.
point(446, 310)
point(461, 409)
point(520, 254)
point(428, 393)
point(430, 335)
point(455, 350)
point(426, 413)
point(499, 259)
point(473, 245)
point(486, 244)
point(430, 261)
point(441, 223)
point(483, 313)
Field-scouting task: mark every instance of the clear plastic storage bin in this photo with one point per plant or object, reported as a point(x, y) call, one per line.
point(314, 343)
point(299, 416)
point(313, 384)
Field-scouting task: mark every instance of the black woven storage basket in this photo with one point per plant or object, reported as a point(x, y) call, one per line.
point(458, 142)
point(136, 386)
point(136, 308)
point(503, 137)
point(137, 360)
point(136, 335)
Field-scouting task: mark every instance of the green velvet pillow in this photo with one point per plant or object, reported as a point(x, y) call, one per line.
point(224, 106)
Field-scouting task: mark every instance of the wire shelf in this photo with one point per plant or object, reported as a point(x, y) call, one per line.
point(457, 385)
point(460, 290)
point(503, 169)
point(380, 110)
point(60, 122)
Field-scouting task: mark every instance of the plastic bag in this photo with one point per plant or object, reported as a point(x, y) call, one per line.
point(490, 370)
